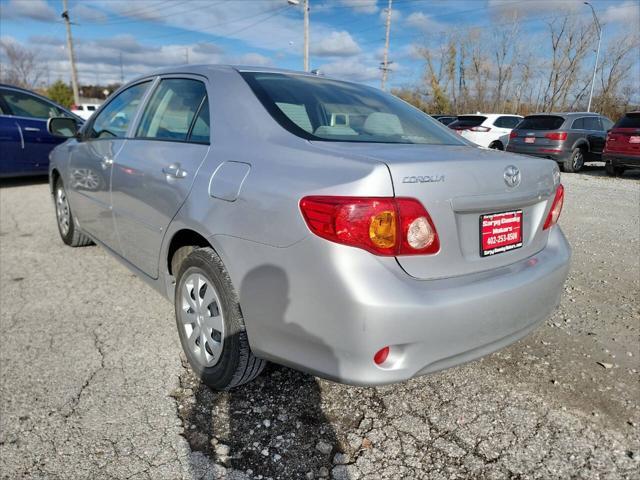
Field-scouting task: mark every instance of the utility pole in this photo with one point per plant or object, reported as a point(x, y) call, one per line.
point(306, 35)
point(595, 66)
point(121, 71)
point(72, 58)
point(305, 5)
point(385, 57)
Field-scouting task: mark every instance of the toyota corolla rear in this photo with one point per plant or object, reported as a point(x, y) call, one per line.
point(439, 254)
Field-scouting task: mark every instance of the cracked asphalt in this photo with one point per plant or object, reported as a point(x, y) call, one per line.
point(93, 384)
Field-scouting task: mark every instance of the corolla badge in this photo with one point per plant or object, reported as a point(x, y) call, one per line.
point(512, 176)
point(423, 179)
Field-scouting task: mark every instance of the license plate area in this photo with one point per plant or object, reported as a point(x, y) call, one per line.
point(529, 139)
point(500, 232)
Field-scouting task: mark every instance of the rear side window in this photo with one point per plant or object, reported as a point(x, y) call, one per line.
point(114, 119)
point(630, 120)
point(541, 122)
point(507, 122)
point(172, 109)
point(578, 124)
point(25, 105)
point(592, 123)
point(467, 121)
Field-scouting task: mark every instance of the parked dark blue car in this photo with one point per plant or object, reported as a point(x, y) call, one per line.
point(25, 142)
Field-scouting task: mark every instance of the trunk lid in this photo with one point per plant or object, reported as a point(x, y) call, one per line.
point(457, 185)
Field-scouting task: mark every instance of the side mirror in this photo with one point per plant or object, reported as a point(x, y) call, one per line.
point(64, 127)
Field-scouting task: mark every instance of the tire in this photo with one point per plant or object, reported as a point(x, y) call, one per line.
point(210, 326)
point(575, 162)
point(64, 218)
point(496, 145)
point(612, 170)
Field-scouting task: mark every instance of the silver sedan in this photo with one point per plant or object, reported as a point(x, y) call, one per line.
point(316, 223)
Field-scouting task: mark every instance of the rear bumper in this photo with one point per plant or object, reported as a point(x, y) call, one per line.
point(620, 160)
point(559, 155)
point(326, 309)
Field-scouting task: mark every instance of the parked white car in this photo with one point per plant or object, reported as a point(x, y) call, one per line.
point(85, 110)
point(490, 130)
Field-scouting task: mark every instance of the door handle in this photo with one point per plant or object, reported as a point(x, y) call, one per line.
point(174, 171)
point(31, 129)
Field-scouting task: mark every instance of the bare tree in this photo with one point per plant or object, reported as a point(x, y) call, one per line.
point(22, 67)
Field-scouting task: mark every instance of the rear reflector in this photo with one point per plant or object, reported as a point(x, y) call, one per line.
point(556, 208)
point(556, 135)
point(381, 356)
point(381, 225)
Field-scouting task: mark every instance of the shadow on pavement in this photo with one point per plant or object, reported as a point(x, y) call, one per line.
point(23, 181)
point(597, 170)
point(273, 426)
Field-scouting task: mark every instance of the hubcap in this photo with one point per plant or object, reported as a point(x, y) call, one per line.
point(577, 160)
point(201, 317)
point(62, 211)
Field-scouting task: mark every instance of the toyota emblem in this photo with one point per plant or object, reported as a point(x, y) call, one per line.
point(512, 176)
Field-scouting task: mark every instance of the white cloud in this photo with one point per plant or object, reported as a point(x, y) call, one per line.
point(33, 10)
point(422, 22)
point(351, 69)
point(627, 12)
point(253, 59)
point(509, 8)
point(338, 44)
point(362, 6)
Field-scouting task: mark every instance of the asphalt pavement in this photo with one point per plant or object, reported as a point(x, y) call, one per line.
point(93, 384)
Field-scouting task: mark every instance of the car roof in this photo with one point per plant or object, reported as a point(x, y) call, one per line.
point(482, 114)
point(566, 114)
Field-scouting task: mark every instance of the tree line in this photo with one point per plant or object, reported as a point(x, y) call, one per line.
point(505, 70)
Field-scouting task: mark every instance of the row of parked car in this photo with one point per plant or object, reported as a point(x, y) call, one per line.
point(570, 138)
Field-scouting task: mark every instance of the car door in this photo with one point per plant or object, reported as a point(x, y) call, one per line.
point(31, 141)
point(596, 135)
point(88, 177)
point(11, 143)
point(154, 172)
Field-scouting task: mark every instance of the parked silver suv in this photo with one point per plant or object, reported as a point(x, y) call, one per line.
point(316, 223)
point(568, 138)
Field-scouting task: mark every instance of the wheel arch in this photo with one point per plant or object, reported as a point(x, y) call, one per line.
point(184, 237)
point(582, 144)
point(53, 178)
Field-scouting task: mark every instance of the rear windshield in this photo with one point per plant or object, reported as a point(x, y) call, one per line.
point(317, 108)
point(541, 122)
point(630, 120)
point(468, 121)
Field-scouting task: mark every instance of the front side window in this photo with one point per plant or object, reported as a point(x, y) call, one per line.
point(317, 108)
point(25, 105)
point(172, 109)
point(114, 119)
point(592, 123)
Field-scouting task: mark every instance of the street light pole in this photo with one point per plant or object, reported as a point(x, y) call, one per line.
point(595, 66)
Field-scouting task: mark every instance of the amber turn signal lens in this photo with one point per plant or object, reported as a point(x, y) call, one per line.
point(382, 230)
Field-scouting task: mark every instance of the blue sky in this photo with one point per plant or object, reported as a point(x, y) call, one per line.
point(347, 36)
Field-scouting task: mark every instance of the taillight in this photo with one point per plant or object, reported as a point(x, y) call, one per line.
point(380, 225)
point(556, 208)
point(556, 135)
point(513, 134)
point(480, 129)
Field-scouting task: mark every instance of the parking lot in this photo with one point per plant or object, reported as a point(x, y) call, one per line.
point(93, 384)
